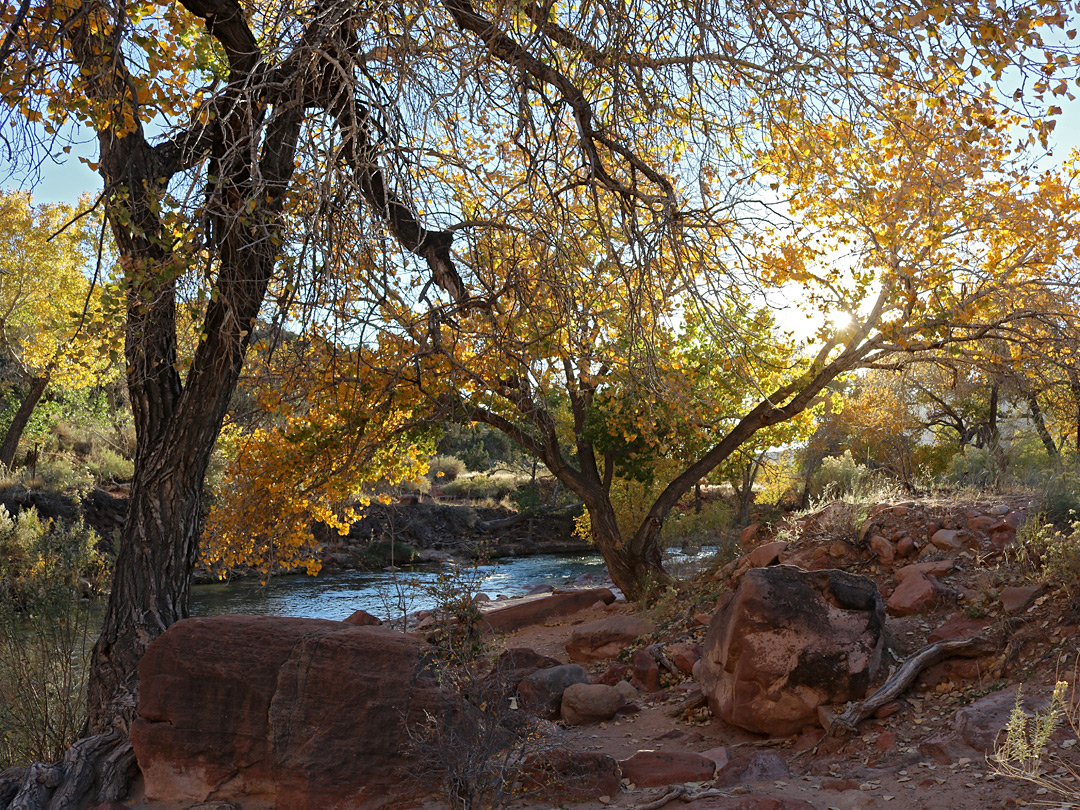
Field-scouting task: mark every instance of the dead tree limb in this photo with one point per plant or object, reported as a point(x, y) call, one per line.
point(847, 721)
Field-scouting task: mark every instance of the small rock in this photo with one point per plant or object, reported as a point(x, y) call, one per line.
point(839, 785)
point(684, 656)
point(1018, 598)
point(613, 675)
point(361, 618)
point(748, 535)
point(885, 741)
point(883, 549)
point(760, 766)
point(999, 510)
point(946, 539)
point(917, 594)
point(718, 755)
point(589, 703)
point(627, 691)
point(645, 672)
point(541, 692)
point(982, 523)
point(905, 546)
point(655, 768)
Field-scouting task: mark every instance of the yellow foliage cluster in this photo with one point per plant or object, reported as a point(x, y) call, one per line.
point(329, 441)
point(54, 322)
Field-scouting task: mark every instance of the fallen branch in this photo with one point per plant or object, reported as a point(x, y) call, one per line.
point(683, 793)
point(657, 652)
point(847, 721)
point(695, 701)
point(503, 523)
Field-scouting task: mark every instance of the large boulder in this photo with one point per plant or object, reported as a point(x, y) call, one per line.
point(789, 641)
point(606, 638)
point(589, 703)
point(541, 691)
point(306, 713)
point(503, 617)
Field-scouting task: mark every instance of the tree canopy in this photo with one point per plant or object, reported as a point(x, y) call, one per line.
point(401, 169)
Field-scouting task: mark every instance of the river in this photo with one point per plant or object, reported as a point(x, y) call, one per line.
point(389, 595)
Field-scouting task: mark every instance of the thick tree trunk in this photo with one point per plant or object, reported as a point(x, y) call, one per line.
point(637, 572)
point(10, 445)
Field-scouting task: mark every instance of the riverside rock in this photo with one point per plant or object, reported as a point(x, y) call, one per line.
point(589, 703)
point(505, 618)
point(307, 713)
point(655, 768)
point(789, 641)
point(541, 692)
point(606, 638)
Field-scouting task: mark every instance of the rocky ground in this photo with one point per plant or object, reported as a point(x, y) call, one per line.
point(946, 570)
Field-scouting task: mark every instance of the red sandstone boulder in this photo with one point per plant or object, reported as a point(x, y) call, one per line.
point(684, 655)
point(589, 703)
point(917, 594)
point(361, 618)
point(541, 692)
point(606, 638)
point(505, 618)
point(655, 768)
point(305, 712)
point(644, 672)
point(789, 641)
point(761, 766)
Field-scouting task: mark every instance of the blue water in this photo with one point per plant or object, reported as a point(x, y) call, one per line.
point(390, 595)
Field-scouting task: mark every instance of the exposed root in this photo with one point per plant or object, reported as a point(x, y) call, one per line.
point(94, 770)
point(847, 721)
point(682, 793)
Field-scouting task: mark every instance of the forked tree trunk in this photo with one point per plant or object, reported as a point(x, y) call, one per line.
point(10, 445)
point(637, 572)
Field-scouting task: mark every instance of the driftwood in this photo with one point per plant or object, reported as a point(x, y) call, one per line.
point(694, 701)
point(847, 721)
point(503, 523)
point(681, 792)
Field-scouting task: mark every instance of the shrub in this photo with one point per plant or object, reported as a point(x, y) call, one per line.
point(109, 467)
point(1054, 554)
point(60, 474)
point(40, 558)
point(708, 527)
point(45, 634)
point(44, 661)
point(1059, 500)
point(842, 475)
point(444, 469)
point(480, 486)
point(972, 466)
point(1022, 747)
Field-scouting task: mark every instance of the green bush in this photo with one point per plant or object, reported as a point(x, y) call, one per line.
point(44, 661)
point(842, 475)
point(709, 527)
point(972, 466)
point(39, 559)
point(46, 568)
point(1059, 498)
point(61, 474)
point(1053, 554)
point(109, 467)
point(482, 486)
point(444, 469)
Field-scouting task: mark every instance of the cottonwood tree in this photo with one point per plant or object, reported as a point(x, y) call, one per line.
point(245, 149)
point(53, 325)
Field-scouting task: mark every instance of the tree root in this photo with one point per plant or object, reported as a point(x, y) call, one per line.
point(847, 721)
point(94, 770)
point(682, 793)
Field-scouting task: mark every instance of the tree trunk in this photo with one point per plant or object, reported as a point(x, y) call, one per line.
point(10, 445)
point(638, 573)
point(1041, 429)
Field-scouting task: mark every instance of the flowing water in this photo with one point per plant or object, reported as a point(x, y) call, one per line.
point(390, 594)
